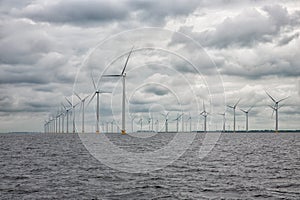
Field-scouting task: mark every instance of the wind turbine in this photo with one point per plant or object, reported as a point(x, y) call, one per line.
point(190, 119)
point(246, 113)
point(157, 125)
point(166, 120)
point(141, 121)
point(182, 122)
point(73, 110)
point(275, 108)
point(97, 92)
point(204, 114)
point(123, 75)
point(234, 107)
point(224, 120)
point(149, 122)
point(132, 119)
point(177, 119)
point(67, 113)
point(82, 106)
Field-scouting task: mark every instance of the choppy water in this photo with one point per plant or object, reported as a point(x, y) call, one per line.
point(241, 166)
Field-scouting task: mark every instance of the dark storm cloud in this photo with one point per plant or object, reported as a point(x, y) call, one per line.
point(75, 11)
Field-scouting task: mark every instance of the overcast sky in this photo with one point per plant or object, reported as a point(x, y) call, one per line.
point(211, 51)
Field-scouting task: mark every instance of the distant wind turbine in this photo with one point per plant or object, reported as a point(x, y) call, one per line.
point(82, 107)
point(166, 120)
point(234, 107)
point(132, 119)
point(275, 108)
point(67, 113)
point(74, 113)
point(204, 114)
point(141, 122)
point(224, 120)
point(246, 113)
point(190, 119)
point(177, 119)
point(123, 75)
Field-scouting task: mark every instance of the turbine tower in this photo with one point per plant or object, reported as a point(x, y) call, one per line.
point(204, 114)
point(82, 106)
point(123, 75)
point(275, 108)
point(246, 113)
point(234, 107)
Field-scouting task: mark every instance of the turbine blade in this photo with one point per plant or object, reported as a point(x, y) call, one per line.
point(104, 91)
point(126, 61)
point(93, 82)
point(77, 96)
point(91, 98)
point(86, 97)
point(237, 103)
point(273, 108)
point(63, 106)
point(68, 101)
point(230, 106)
point(243, 110)
point(283, 99)
point(111, 75)
point(271, 97)
point(250, 108)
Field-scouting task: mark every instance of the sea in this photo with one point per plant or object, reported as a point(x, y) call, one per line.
point(250, 165)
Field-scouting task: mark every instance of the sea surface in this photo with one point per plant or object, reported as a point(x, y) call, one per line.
point(240, 166)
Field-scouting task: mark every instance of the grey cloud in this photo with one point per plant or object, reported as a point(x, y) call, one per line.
point(246, 29)
point(157, 90)
point(155, 12)
point(287, 39)
point(75, 11)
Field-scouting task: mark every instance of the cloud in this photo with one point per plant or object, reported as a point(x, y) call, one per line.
point(249, 27)
point(156, 90)
point(75, 11)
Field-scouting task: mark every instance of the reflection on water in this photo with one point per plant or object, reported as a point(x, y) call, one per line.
point(243, 165)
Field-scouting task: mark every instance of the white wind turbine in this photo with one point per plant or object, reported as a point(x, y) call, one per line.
point(141, 121)
point(177, 120)
point(275, 108)
point(224, 120)
point(204, 114)
point(166, 120)
point(73, 113)
point(157, 125)
point(190, 119)
point(123, 75)
point(234, 107)
point(67, 113)
point(82, 107)
point(132, 119)
point(246, 113)
point(97, 92)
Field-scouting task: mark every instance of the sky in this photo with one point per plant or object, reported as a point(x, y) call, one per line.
point(185, 53)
